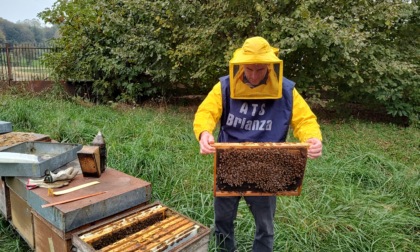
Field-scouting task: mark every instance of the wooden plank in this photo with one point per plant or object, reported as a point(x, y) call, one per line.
point(219, 193)
point(72, 189)
point(121, 224)
point(200, 243)
point(22, 218)
point(181, 237)
point(288, 145)
point(4, 199)
point(46, 239)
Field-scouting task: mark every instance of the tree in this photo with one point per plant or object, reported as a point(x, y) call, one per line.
point(343, 51)
point(2, 37)
point(26, 32)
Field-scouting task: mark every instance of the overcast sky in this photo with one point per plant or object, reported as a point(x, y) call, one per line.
point(19, 10)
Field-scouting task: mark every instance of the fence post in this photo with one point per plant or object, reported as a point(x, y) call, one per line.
point(9, 63)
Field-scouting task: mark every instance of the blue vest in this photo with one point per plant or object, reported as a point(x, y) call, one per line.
point(264, 120)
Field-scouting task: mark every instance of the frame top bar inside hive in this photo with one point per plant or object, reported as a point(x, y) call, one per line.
point(260, 145)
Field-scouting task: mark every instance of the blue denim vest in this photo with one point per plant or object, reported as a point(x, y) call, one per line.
point(265, 120)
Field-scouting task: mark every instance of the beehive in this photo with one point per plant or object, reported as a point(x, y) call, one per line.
point(155, 228)
point(13, 138)
point(254, 169)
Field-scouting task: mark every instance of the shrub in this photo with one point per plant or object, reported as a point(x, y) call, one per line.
point(345, 51)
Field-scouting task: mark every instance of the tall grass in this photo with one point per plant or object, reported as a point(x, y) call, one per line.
point(362, 195)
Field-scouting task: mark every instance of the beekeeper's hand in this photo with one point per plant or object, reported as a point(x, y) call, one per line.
point(315, 148)
point(206, 139)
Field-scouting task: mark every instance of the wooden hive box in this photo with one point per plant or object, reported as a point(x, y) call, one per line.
point(21, 218)
point(122, 192)
point(259, 169)
point(7, 140)
point(4, 199)
point(53, 227)
point(154, 227)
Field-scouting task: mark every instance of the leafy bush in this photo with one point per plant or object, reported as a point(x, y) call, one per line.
point(343, 51)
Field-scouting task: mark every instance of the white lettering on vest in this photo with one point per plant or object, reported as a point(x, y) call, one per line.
point(242, 123)
point(254, 110)
point(262, 111)
point(229, 120)
point(262, 125)
point(269, 125)
point(244, 108)
point(248, 125)
point(236, 122)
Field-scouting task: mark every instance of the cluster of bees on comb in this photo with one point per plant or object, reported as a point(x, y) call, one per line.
point(260, 169)
point(123, 233)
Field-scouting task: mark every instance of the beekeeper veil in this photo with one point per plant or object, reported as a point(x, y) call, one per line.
point(256, 50)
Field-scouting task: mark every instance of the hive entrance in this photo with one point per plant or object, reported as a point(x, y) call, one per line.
point(259, 168)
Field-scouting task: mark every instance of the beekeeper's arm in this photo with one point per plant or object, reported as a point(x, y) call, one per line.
point(305, 125)
point(206, 118)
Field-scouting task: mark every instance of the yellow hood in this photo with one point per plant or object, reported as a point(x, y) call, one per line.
point(256, 50)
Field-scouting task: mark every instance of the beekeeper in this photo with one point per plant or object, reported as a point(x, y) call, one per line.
point(254, 103)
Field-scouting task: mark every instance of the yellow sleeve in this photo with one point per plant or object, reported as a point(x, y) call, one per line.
point(209, 112)
point(304, 121)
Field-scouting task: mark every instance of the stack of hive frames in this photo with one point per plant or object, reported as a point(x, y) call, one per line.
point(157, 228)
point(258, 169)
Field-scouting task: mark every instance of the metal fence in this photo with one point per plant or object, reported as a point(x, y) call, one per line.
point(23, 62)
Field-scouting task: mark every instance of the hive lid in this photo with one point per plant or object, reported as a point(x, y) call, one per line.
point(50, 157)
point(123, 192)
point(5, 127)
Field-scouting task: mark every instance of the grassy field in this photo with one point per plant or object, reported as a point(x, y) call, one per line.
point(29, 73)
point(362, 195)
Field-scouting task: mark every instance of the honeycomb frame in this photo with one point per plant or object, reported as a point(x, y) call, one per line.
point(259, 169)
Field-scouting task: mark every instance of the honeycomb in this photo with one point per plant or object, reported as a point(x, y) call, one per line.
point(257, 169)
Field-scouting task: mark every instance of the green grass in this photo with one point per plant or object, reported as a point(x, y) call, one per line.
point(362, 195)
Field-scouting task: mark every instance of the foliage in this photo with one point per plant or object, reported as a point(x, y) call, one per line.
point(357, 51)
point(2, 37)
point(341, 51)
point(28, 31)
point(361, 195)
point(117, 44)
